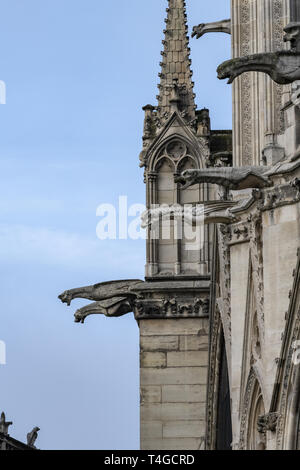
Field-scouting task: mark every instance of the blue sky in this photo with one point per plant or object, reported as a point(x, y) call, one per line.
point(77, 75)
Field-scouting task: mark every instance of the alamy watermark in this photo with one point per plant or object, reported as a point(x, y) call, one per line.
point(159, 222)
point(2, 92)
point(2, 353)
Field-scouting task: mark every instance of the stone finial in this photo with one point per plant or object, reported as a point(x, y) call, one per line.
point(4, 425)
point(223, 26)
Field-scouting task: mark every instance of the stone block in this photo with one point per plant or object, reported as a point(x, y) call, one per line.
point(174, 376)
point(153, 359)
point(151, 394)
point(184, 393)
point(187, 358)
point(172, 327)
point(194, 343)
point(175, 429)
point(151, 429)
point(172, 412)
point(159, 343)
point(171, 444)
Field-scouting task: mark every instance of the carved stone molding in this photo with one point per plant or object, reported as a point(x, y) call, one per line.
point(245, 409)
point(170, 308)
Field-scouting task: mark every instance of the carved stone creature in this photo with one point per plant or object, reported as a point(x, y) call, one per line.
point(292, 35)
point(282, 66)
point(267, 422)
point(234, 178)
point(32, 437)
point(223, 26)
point(115, 307)
point(113, 299)
point(204, 213)
point(101, 291)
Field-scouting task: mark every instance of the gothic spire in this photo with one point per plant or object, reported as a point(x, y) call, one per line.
point(176, 86)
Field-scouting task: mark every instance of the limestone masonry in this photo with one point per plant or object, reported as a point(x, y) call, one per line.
point(219, 320)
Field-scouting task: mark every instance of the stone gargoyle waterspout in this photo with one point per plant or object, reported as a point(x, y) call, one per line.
point(223, 26)
point(282, 66)
point(112, 299)
point(232, 178)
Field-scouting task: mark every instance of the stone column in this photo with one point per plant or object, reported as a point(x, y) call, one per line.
point(173, 361)
point(257, 26)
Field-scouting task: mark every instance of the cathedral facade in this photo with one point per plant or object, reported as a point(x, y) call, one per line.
point(219, 315)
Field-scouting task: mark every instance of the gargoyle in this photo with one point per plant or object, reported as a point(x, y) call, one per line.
point(101, 291)
point(115, 307)
point(223, 26)
point(206, 212)
point(32, 437)
point(113, 299)
point(233, 178)
point(282, 66)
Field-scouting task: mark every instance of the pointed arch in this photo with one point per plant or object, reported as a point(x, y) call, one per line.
point(251, 437)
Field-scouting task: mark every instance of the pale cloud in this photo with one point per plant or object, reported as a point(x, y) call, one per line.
point(45, 246)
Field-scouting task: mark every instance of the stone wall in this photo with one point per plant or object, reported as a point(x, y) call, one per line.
point(257, 26)
point(173, 376)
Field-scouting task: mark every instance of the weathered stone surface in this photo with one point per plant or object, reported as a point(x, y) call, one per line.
point(174, 444)
point(151, 430)
point(169, 412)
point(194, 343)
point(173, 327)
point(159, 343)
point(187, 358)
point(151, 394)
point(184, 393)
point(174, 429)
point(174, 376)
point(153, 359)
